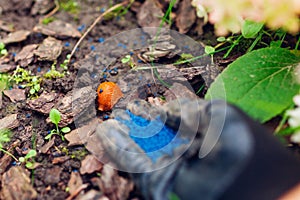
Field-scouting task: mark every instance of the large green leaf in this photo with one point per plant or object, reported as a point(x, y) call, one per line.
point(261, 83)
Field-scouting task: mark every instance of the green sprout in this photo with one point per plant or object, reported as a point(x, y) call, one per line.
point(53, 73)
point(128, 59)
point(64, 65)
point(28, 159)
point(3, 50)
point(48, 20)
point(70, 6)
point(55, 118)
point(21, 75)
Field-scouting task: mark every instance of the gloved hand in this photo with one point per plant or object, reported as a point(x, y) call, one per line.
point(197, 150)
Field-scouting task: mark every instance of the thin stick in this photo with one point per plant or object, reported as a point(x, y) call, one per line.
point(94, 24)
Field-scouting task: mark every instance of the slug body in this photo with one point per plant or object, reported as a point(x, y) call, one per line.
point(109, 94)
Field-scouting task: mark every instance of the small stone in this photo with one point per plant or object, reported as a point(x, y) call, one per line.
point(15, 95)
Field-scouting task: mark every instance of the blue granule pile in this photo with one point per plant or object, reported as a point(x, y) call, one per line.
point(152, 136)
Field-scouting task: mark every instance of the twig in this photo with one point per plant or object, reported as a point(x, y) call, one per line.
point(94, 24)
point(52, 12)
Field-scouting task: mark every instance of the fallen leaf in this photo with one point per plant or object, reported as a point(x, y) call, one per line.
point(17, 36)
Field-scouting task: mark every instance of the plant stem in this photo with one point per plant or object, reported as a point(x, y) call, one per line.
point(297, 44)
point(236, 42)
point(8, 153)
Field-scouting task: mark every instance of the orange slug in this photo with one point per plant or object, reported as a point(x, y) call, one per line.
point(109, 94)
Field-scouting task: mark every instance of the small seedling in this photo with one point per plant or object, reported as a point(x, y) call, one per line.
point(21, 75)
point(64, 65)
point(53, 73)
point(48, 20)
point(129, 60)
point(55, 118)
point(3, 50)
point(28, 159)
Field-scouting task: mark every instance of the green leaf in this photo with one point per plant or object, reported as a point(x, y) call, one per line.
point(54, 116)
point(22, 159)
point(126, 59)
point(2, 45)
point(261, 83)
point(209, 49)
point(32, 91)
point(250, 28)
point(65, 130)
point(29, 165)
point(221, 39)
point(30, 154)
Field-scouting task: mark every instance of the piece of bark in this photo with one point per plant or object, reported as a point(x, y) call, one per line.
point(9, 122)
point(49, 50)
point(58, 29)
point(26, 55)
point(15, 95)
point(90, 164)
point(186, 16)
point(47, 146)
point(6, 68)
point(16, 185)
point(44, 103)
point(17, 36)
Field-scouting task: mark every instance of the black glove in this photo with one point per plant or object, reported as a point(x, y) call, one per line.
point(215, 152)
